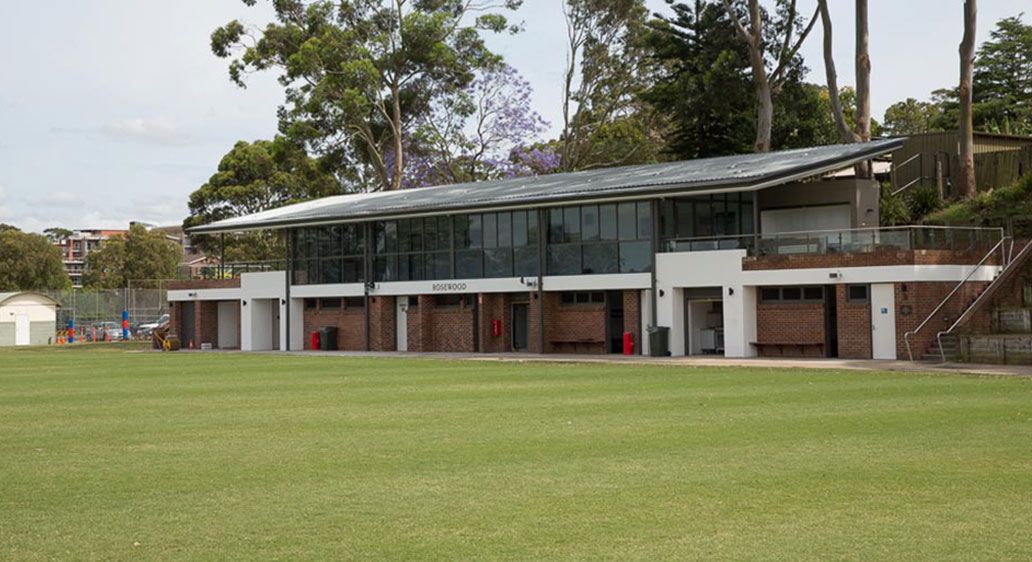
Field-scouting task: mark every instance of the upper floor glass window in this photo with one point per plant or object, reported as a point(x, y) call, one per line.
point(328, 254)
point(608, 238)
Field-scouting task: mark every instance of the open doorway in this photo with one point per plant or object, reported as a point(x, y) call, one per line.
point(704, 321)
point(520, 326)
point(615, 320)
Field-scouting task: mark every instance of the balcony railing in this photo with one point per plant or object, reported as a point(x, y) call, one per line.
point(858, 240)
point(230, 270)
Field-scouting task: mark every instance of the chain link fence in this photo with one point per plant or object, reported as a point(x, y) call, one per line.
point(97, 313)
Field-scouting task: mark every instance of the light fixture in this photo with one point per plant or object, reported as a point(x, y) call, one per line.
point(730, 291)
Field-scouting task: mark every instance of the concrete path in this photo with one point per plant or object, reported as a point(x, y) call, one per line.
point(770, 363)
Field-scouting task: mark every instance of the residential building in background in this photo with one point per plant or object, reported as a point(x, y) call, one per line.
point(77, 245)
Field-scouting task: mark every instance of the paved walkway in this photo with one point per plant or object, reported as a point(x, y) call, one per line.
point(771, 363)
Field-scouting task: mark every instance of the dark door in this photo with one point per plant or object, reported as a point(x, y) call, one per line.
point(186, 323)
point(520, 326)
point(615, 321)
point(831, 321)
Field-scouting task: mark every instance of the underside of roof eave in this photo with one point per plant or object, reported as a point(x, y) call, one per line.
point(730, 184)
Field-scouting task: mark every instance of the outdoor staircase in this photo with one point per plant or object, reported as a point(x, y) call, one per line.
point(948, 345)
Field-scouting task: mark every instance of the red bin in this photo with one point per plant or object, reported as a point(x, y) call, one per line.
point(315, 341)
point(628, 343)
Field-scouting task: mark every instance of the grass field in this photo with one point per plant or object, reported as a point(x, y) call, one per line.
point(109, 454)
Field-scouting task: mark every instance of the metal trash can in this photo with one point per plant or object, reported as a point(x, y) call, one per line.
point(328, 338)
point(659, 341)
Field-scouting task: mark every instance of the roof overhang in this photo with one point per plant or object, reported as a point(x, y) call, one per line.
point(301, 214)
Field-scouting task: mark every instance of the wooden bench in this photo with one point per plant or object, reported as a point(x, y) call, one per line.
point(801, 346)
point(577, 343)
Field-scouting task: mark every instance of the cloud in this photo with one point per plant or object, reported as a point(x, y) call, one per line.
point(152, 130)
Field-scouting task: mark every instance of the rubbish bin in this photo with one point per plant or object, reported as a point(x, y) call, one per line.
point(659, 341)
point(328, 338)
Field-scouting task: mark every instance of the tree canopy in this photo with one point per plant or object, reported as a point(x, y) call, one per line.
point(29, 262)
point(140, 255)
point(359, 74)
point(254, 177)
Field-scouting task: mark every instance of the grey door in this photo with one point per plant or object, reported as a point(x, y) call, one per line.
point(186, 323)
point(520, 326)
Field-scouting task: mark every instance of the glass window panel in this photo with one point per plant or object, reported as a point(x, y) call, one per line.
point(791, 293)
point(532, 228)
point(504, 230)
point(430, 234)
point(490, 226)
point(330, 271)
point(444, 232)
point(571, 224)
point(703, 218)
point(555, 227)
point(667, 219)
point(352, 272)
point(519, 229)
point(476, 232)
point(440, 265)
point(644, 221)
point(627, 221)
point(635, 257)
point(469, 264)
point(589, 222)
point(564, 259)
point(525, 261)
point(598, 297)
point(461, 223)
point(607, 222)
point(770, 294)
point(403, 236)
point(498, 263)
point(601, 258)
point(685, 218)
point(391, 236)
point(813, 293)
point(747, 215)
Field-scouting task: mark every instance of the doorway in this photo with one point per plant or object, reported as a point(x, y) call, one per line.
point(186, 323)
point(520, 326)
point(401, 323)
point(883, 321)
point(831, 320)
point(22, 330)
point(615, 320)
point(705, 321)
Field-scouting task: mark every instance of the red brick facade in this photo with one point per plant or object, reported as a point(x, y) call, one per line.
point(853, 326)
point(915, 301)
point(791, 323)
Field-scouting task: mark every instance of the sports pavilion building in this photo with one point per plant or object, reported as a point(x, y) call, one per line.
point(759, 254)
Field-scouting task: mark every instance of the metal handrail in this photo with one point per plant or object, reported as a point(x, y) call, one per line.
point(1011, 260)
point(906, 336)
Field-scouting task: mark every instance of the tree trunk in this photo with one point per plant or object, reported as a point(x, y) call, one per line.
point(399, 141)
point(863, 84)
point(764, 116)
point(845, 133)
point(966, 185)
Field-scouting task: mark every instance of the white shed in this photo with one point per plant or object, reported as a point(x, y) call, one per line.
point(27, 319)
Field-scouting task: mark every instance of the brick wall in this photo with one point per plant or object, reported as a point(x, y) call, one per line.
point(791, 323)
point(382, 318)
point(495, 306)
point(853, 326)
point(207, 318)
point(915, 301)
point(567, 323)
point(632, 316)
point(451, 327)
point(350, 323)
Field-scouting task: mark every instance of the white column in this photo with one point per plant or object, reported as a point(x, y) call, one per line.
point(739, 321)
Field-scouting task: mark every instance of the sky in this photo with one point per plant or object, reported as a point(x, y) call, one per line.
point(114, 111)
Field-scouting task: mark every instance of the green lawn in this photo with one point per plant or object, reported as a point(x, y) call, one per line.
point(112, 454)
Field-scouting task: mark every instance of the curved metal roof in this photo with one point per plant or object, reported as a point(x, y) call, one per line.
point(746, 172)
point(4, 297)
